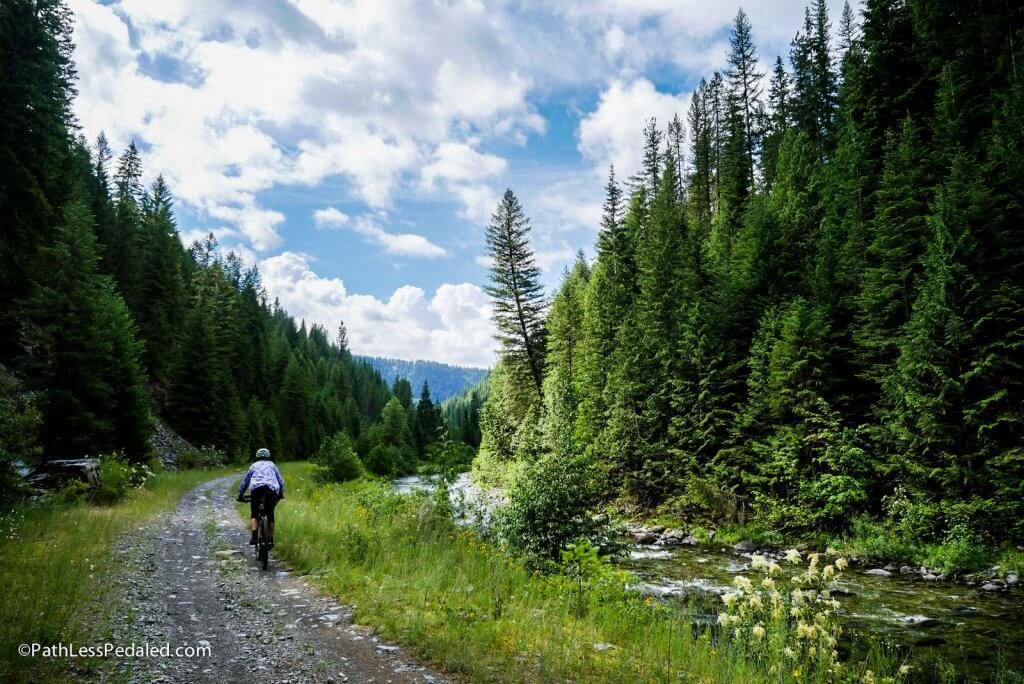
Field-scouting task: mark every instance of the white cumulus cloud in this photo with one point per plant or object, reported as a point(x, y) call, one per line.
point(452, 326)
point(611, 134)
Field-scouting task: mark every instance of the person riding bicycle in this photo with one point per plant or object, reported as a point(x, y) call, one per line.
point(267, 487)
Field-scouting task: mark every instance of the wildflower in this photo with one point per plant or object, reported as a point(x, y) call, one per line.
point(806, 631)
point(758, 631)
point(798, 597)
point(729, 598)
point(743, 583)
point(757, 562)
point(828, 572)
point(788, 652)
point(755, 601)
point(793, 556)
point(813, 558)
point(737, 633)
point(768, 583)
point(841, 564)
point(904, 669)
point(869, 677)
point(794, 611)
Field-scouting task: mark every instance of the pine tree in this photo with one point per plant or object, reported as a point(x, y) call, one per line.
point(123, 252)
point(652, 161)
point(35, 115)
point(565, 321)
point(161, 286)
point(84, 358)
point(428, 419)
point(642, 379)
point(515, 288)
point(675, 140)
point(849, 32)
point(779, 120)
point(745, 91)
point(888, 286)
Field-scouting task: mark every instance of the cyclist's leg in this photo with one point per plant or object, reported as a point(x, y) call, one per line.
point(254, 506)
point(271, 500)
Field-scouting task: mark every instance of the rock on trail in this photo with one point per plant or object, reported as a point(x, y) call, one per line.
point(190, 580)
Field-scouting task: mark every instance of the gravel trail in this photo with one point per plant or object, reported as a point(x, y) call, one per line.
point(191, 580)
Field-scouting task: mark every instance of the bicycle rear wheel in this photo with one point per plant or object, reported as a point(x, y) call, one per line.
point(263, 544)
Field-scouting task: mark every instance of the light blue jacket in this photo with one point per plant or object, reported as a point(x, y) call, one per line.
point(263, 474)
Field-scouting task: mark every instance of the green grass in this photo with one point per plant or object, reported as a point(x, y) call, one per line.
point(55, 563)
point(465, 605)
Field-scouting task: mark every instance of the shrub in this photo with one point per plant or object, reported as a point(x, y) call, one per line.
point(383, 460)
point(448, 456)
point(19, 438)
point(70, 492)
point(115, 478)
point(550, 506)
point(337, 459)
point(206, 457)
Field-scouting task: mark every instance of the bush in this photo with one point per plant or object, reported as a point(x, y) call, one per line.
point(337, 459)
point(70, 492)
point(550, 506)
point(19, 439)
point(114, 479)
point(383, 460)
point(206, 457)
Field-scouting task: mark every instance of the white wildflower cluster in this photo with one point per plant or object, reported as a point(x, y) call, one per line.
point(791, 624)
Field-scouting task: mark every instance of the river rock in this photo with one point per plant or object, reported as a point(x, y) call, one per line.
point(1012, 580)
point(907, 570)
point(746, 546)
point(878, 572)
point(678, 538)
point(645, 537)
point(991, 586)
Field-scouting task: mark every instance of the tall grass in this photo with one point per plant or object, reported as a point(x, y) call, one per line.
point(465, 605)
point(56, 565)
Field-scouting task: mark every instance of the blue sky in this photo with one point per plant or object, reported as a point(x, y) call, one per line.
point(354, 150)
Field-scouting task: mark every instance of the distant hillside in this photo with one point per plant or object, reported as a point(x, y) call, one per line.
point(445, 381)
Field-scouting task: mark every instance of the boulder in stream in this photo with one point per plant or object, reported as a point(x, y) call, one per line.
point(878, 572)
point(746, 546)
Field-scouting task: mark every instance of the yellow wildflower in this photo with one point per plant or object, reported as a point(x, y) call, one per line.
point(793, 556)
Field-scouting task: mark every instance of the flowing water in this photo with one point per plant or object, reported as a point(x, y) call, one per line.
point(966, 626)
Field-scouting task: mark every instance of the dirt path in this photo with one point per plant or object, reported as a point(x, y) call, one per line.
point(196, 584)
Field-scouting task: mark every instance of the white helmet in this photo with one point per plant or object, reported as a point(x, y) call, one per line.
point(263, 453)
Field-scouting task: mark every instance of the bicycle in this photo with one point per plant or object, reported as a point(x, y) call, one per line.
point(262, 533)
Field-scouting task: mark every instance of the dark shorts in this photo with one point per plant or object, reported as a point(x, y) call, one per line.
point(269, 498)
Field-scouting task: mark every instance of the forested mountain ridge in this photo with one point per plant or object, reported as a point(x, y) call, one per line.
point(445, 380)
point(806, 306)
point(106, 318)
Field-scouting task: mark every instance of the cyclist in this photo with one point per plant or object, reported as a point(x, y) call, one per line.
point(267, 486)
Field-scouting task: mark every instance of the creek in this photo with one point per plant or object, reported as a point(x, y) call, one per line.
point(968, 627)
